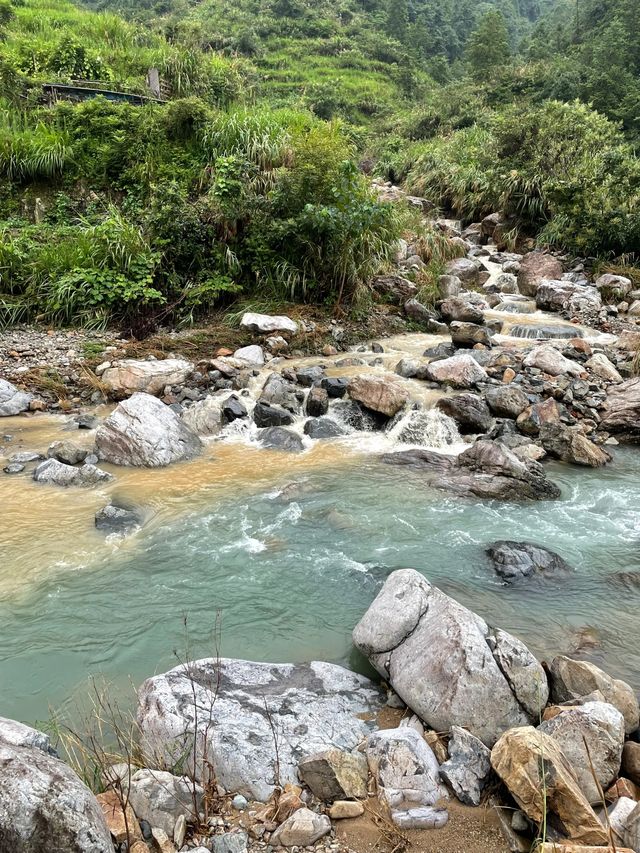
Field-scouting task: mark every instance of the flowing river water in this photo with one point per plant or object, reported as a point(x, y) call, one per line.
point(273, 556)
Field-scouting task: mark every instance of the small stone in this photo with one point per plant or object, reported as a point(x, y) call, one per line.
point(13, 468)
point(162, 840)
point(121, 822)
point(239, 803)
point(343, 809)
point(179, 831)
point(230, 842)
point(302, 829)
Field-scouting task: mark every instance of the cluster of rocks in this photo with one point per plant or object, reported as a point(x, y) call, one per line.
point(274, 755)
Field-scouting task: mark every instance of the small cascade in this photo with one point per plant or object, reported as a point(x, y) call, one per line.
point(425, 428)
point(539, 331)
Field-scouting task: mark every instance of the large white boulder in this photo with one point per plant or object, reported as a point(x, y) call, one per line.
point(142, 431)
point(461, 371)
point(44, 807)
point(446, 663)
point(151, 376)
point(266, 324)
point(252, 722)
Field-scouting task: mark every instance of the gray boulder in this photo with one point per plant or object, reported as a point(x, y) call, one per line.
point(446, 663)
point(160, 798)
point(614, 287)
point(68, 452)
point(317, 402)
point(204, 417)
point(335, 775)
point(144, 432)
point(278, 391)
point(469, 411)
point(459, 309)
point(322, 428)
point(230, 710)
point(408, 777)
point(591, 737)
point(12, 400)
point(57, 473)
point(486, 470)
point(463, 268)
point(514, 561)
point(44, 807)
point(506, 401)
point(553, 295)
point(550, 360)
point(468, 767)
point(279, 438)
point(302, 829)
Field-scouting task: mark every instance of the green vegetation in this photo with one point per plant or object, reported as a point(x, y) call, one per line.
point(246, 181)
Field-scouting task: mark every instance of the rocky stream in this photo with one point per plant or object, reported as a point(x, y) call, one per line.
point(380, 596)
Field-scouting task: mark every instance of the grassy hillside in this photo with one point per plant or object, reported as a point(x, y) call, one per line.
point(245, 182)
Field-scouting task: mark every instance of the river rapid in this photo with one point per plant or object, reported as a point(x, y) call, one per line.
point(255, 553)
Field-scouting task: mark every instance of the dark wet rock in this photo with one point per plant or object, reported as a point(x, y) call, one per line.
point(308, 376)
point(418, 312)
point(506, 401)
point(312, 707)
point(469, 334)
point(322, 428)
point(534, 267)
point(279, 438)
point(86, 421)
point(115, 518)
point(144, 432)
point(439, 352)
point(457, 308)
point(67, 452)
point(469, 411)
point(486, 470)
point(233, 409)
point(570, 444)
point(356, 416)
point(411, 368)
point(516, 560)
point(317, 403)
point(57, 473)
point(446, 663)
point(335, 387)
point(270, 415)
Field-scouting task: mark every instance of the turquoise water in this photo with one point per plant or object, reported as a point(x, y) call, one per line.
point(285, 577)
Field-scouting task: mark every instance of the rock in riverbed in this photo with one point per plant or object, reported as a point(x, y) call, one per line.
point(44, 807)
point(231, 709)
point(446, 663)
point(13, 401)
point(144, 432)
point(486, 470)
point(267, 324)
point(58, 474)
point(517, 560)
point(468, 766)
point(151, 376)
point(380, 394)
